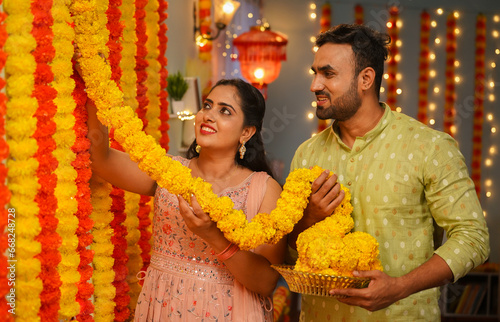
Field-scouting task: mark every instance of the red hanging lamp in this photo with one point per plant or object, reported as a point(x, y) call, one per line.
point(260, 54)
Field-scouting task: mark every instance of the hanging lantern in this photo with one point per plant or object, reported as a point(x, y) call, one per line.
point(260, 54)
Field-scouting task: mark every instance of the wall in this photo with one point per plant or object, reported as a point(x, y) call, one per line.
point(289, 98)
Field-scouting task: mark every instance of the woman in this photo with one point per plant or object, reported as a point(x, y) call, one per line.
point(195, 272)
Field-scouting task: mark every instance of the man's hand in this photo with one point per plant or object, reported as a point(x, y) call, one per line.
point(382, 291)
point(326, 195)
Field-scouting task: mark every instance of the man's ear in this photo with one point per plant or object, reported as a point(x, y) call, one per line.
point(366, 78)
point(248, 132)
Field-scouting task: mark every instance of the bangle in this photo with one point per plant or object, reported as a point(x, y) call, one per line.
point(227, 253)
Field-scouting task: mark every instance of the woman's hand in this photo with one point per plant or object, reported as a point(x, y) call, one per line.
point(198, 221)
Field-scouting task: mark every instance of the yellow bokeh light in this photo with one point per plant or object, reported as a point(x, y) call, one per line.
point(489, 117)
point(432, 73)
point(488, 183)
point(399, 24)
point(250, 15)
point(453, 129)
point(457, 63)
point(436, 89)
point(399, 91)
point(437, 41)
point(313, 15)
point(399, 76)
point(399, 43)
point(314, 104)
point(488, 195)
point(432, 121)
point(488, 162)
point(382, 89)
point(439, 11)
point(312, 6)
point(386, 76)
point(457, 31)
point(457, 79)
point(398, 109)
point(456, 14)
point(492, 84)
point(495, 33)
point(496, 18)
point(397, 57)
point(310, 116)
point(389, 24)
point(493, 130)
point(493, 150)
point(432, 106)
point(432, 56)
point(493, 65)
point(491, 97)
point(433, 23)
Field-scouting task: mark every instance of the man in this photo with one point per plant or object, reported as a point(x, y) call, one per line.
point(408, 183)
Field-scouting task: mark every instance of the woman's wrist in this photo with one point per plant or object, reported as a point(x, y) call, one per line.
point(228, 252)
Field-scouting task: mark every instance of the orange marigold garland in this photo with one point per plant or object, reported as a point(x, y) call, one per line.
point(392, 63)
point(85, 224)
point(46, 127)
point(162, 59)
point(359, 15)
point(120, 257)
point(7, 219)
point(22, 180)
point(480, 81)
point(65, 190)
point(423, 70)
point(142, 99)
point(449, 95)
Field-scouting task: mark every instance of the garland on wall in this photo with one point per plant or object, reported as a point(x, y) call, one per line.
point(479, 86)
point(359, 15)
point(392, 63)
point(423, 67)
point(7, 222)
point(22, 177)
point(66, 188)
point(449, 94)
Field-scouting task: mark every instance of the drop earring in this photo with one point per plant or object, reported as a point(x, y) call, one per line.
point(198, 148)
point(242, 150)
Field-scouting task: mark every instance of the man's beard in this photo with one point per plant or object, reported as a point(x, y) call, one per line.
point(344, 107)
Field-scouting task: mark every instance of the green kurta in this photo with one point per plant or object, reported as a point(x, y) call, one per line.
point(405, 179)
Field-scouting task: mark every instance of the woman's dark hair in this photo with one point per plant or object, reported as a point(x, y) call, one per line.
point(253, 106)
point(370, 47)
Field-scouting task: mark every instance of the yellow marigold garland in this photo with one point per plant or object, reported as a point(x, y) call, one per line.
point(22, 179)
point(65, 137)
point(153, 70)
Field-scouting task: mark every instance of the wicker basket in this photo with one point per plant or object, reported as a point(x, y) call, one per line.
point(317, 284)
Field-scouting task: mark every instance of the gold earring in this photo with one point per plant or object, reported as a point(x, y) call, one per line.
point(242, 150)
point(198, 148)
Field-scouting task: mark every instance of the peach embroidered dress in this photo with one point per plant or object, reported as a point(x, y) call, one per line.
point(185, 281)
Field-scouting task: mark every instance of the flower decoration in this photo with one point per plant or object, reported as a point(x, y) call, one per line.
point(328, 248)
point(477, 133)
point(423, 70)
point(449, 94)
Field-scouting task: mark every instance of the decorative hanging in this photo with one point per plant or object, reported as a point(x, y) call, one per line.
point(423, 69)
point(449, 96)
point(479, 84)
point(359, 16)
point(392, 64)
point(260, 54)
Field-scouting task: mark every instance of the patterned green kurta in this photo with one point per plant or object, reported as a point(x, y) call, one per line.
point(405, 179)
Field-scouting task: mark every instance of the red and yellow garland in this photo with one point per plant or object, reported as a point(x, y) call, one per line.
point(359, 16)
point(163, 74)
point(392, 64)
point(423, 68)
point(449, 95)
point(480, 83)
point(4, 191)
